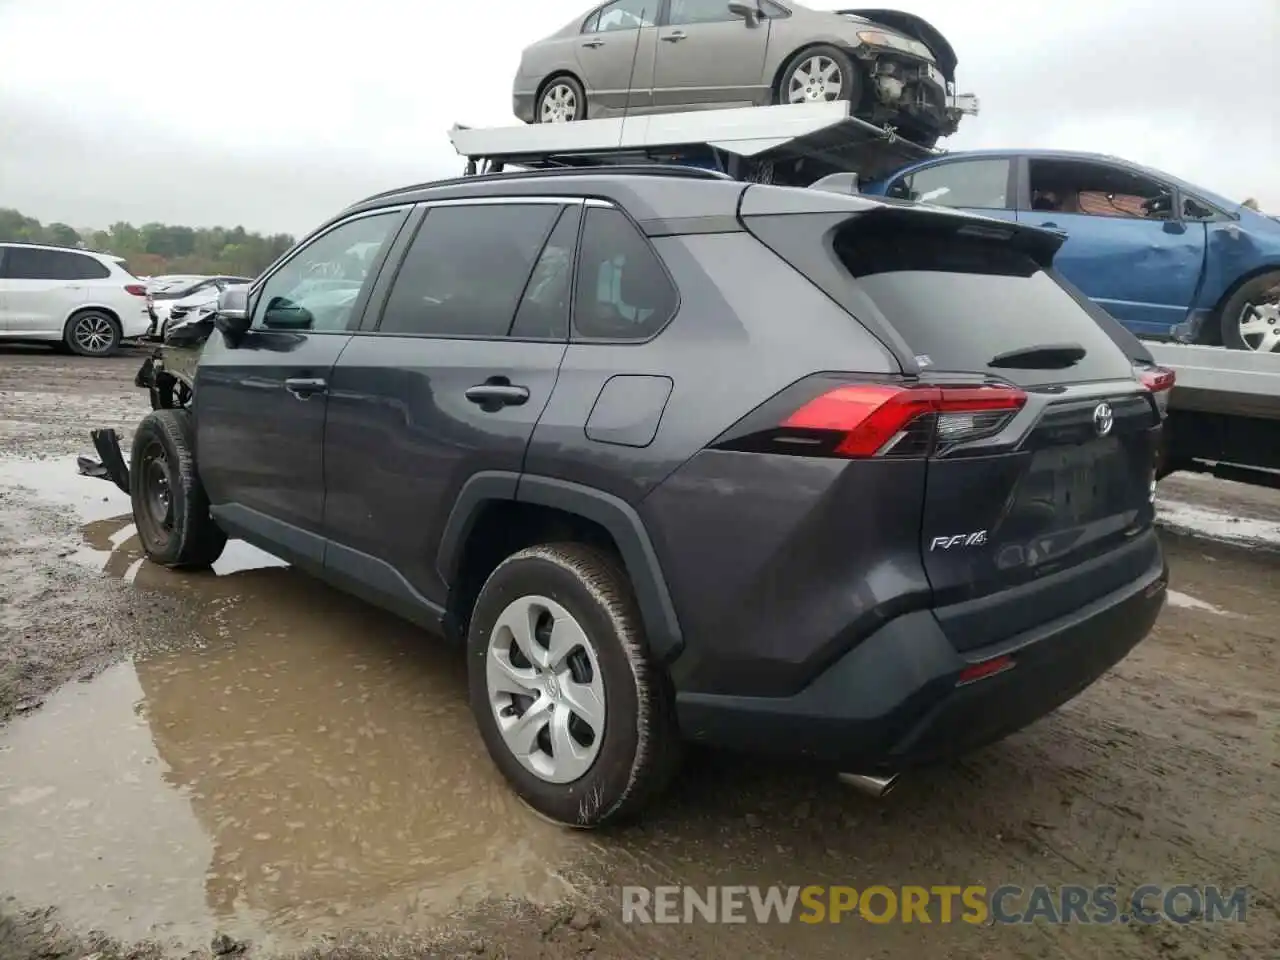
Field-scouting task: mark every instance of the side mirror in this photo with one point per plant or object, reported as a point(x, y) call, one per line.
point(232, 317)
point(747, 11)
point(283, 314)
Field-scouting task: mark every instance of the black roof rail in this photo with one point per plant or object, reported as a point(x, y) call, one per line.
point(55, 246)
point(610, 169)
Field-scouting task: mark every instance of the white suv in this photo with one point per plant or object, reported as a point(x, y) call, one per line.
point(87, 301)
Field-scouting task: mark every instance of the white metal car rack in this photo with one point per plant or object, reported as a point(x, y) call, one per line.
point(793, 144)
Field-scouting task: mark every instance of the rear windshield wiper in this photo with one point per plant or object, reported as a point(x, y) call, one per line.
point(1044, 356)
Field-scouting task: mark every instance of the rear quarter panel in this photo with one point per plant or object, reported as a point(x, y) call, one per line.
point(747, 326)
point(1234, 250)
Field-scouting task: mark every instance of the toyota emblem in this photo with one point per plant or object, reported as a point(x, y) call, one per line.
point(1103, 419)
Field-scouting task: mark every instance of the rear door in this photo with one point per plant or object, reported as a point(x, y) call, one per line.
point(615, 54)
point(1035, 508)
point(709, 56)
point(262, 400)
point(448, 382)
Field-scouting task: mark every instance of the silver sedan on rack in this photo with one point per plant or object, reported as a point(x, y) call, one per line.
point(659, 56)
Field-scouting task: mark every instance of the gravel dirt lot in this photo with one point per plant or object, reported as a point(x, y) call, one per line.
point(245, 761)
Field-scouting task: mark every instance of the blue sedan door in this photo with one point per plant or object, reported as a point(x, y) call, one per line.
point(1125, 246)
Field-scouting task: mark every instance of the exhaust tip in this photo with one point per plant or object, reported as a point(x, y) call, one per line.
point(870, 785)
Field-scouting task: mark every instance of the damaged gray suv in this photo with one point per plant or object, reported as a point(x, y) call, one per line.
point(678, 458)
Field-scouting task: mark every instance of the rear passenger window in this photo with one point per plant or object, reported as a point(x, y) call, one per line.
point(544, 309)
point(466, 269)
point(623, 292)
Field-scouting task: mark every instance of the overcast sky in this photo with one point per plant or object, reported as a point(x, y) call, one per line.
point(274, 113)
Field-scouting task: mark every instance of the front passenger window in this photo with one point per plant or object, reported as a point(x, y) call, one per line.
point(318, 288)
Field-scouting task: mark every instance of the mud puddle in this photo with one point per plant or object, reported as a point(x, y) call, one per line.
point(313, 767)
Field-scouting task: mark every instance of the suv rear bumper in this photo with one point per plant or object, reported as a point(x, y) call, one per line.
point(893, 702)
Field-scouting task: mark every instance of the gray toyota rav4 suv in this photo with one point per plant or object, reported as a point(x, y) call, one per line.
point(680, 458)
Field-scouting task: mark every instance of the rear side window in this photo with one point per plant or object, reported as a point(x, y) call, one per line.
point(21, 263)
point(977, 184)
point(544, 308)
point(466, 269)
point(961, 301)
point(623, 290)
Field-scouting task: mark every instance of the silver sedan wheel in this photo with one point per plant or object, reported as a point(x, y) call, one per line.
point(545, 689)
point(1260, 327)
point(559, 103)
point(816, 80)
point(93, 334)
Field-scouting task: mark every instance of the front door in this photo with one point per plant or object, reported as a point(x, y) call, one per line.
point(708, 56)
point(261, 400)
point(1124, 245)
point(449, 385)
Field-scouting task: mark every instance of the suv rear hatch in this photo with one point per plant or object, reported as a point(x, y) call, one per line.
point(1039, 439)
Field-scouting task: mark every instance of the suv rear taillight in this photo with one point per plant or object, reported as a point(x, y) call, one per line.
point(885, 420)
point(1160, 381)
point(135, 289)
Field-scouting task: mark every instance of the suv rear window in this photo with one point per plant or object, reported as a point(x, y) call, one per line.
point(959, 300)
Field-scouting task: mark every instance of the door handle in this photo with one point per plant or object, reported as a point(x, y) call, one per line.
point(675, 36)
point(496, 393)
point(304, 387)
point(593, 43)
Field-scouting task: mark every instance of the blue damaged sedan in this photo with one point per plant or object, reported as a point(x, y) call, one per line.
point(1168, 259)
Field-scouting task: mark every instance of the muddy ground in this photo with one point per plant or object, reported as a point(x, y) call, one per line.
point(247, 760)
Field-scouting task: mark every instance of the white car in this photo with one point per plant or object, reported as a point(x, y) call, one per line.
point(87, 301)
point(181, 293)
point(169, 312)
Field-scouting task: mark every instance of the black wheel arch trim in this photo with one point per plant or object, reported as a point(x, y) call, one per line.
point(615, 515)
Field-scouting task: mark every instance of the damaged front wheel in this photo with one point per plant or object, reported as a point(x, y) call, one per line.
point(170, 507)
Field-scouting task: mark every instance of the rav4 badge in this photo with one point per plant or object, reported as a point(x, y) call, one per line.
point(975, 539)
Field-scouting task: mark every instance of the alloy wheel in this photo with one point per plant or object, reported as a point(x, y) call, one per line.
point(545, 689)
point(559, 104)
point(93, 333)
point(1260, 327)
point(816, 80)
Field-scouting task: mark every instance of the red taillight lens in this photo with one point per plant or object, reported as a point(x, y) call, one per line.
point(983, 669)
point(136, 289)
point(1157, 379)
point(875, 419)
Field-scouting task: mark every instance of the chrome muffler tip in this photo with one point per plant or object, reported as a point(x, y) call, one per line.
point(870, 785)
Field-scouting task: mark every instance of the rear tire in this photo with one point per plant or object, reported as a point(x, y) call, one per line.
point(578, 767)
point(170, 508)
point(1263, 293)
point(92, 333)
point(561, 100)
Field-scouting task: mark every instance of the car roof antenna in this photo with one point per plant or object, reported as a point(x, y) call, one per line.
point(631, 79)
